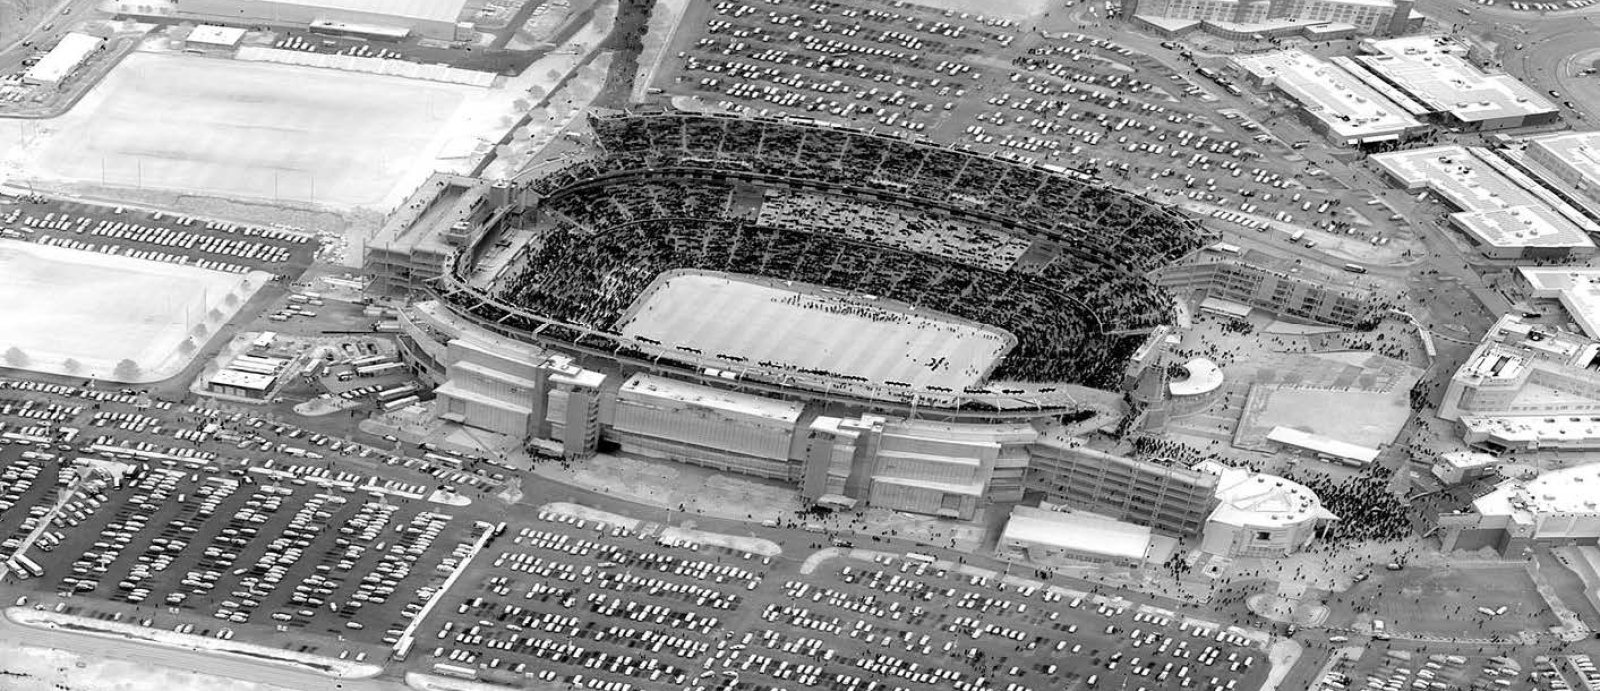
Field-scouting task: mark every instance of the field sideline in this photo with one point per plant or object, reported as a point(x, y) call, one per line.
point(814, 328)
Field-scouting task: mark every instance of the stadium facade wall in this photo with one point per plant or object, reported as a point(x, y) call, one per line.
point(300, 14)
point(1169, 498)
point(1277, 292)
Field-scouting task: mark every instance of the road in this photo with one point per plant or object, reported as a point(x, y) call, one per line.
point(13, 635)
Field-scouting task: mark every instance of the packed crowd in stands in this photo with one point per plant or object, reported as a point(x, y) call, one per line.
point(641, 208)
point(893, 225)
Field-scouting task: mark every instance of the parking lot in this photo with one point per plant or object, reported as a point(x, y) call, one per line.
point(607, 607)
point(157, 236)
point(1068, 100)
point(223, 520)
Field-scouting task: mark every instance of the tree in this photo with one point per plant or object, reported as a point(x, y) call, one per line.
point(199, 331)
point(15, 357)
point(71, 366)
point(232, 300)
point(187, 346)
point(127, 370)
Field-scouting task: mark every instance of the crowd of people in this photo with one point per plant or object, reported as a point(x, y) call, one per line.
point(623, 217)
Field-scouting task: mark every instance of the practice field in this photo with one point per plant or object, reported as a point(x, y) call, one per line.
point(98, 309)
point(810, 327)
point(251, 130)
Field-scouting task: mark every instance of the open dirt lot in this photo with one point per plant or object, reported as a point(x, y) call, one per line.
point(250, 131)
point(98, 309)
point(813, 328)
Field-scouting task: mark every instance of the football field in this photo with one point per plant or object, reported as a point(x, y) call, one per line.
point(811, 327)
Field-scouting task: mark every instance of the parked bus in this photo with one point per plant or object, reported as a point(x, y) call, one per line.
point(919, 557)
point(379, 369)
point(397, 392)
point(440, 458)
point(29, 565)
point(369, 360)
point(399, 403)
point(1355, 268)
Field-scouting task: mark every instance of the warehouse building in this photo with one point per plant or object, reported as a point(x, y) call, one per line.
point(1336, 103)
point(380, 19)
point(1569, 162)
point(63, 60)
point(1505, 212)
point(1434, 71)
point(1250, 19)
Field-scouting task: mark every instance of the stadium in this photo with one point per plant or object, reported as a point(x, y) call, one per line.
point(1007, 286)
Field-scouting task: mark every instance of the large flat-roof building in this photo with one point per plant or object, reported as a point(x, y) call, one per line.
point(1506, 213)
point(1570, 160)
point(665, 418)
point(1575, 289)
point(1527, 387)
point(436, 19)
point(64, 58)
point(1557, 508)
point(1244, 19)
point(1433, 70)
point(1334, 102)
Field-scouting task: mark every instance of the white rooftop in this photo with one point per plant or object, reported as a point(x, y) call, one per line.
point(1434, 70)
point(1475, 181)
point(243, 380)
point(1553, 428)
point(1258, 500)
point(424, 10)
point(1577, 288)
point(212, 34)
point(1204, 377)
point(1078, 532)
point(1529, 225)
point(1574, 490)
point(65, 57)
point(1323, 445)
point(1344, 103)
point(705, 397)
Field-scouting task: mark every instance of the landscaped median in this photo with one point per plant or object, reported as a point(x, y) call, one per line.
point(327, 666)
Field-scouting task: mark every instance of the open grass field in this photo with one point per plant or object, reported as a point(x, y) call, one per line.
point(810, 327)
point(99, 309)
point(248, 130)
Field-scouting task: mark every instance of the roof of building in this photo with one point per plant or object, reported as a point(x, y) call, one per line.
point(1577, 288)
point(212, 34)
point(704, 397)
point(422, 221)
point(1518, 429)
point(1529, 225)
point(1341, 101)
point(1433, 69)
point(1323, 445)
point(243, 380)
point(422, 10)
point(1475, 180)
point(564, 371)
point(1578, 152)
point(1204, 377)
point(1078, 532)
point(1467, 460)
point(65, 57)
point(971, 489)
point(1568, 490)
point(1258, 500)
